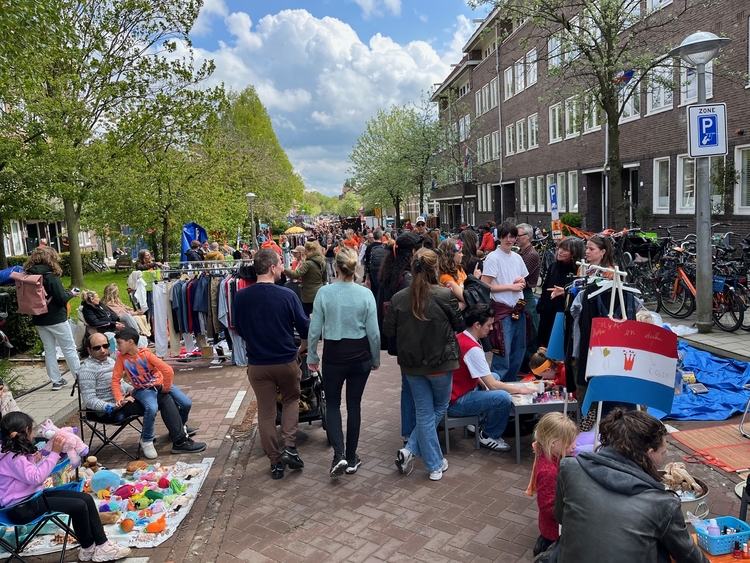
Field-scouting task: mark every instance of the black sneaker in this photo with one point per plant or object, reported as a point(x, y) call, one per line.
point(190, 431)
point(277, 470)
point(188, 447)
point(59, 384)
point(338, 466)
point(291, 458)
point(353, 466)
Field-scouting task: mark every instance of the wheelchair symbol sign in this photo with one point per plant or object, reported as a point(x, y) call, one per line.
point(707, 130)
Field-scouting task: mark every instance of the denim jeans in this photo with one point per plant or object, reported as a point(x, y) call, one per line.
point(492, 407)
point(408, 416)
point(149, 398)
point(514, 334)
point(355, 375)
point(431, 395)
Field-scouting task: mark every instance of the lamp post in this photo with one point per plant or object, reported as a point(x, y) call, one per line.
point(697, 50)
point(249, 197)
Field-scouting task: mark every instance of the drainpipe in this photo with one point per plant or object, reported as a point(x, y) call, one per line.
point(500, 135)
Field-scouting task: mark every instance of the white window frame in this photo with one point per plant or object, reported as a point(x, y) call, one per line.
point(531, 68)
point(562, 192)
point(556, 121)
point(593, 118)
point(572, 117)
point(573, 52)
point(573, 191)
point(487, 149)
point(541, 197)
point(554, 52)
point(508, 90)
point(660, 97)
point(479, 107)
point(495, 143)
point(743, 181)
point(510, 139)
point(464, 89)
point(464, 128)
point(519, 75)
point(524, 194)
point(652, 5)
point(480, 151)
point(632, 108)
point(531, 183)
point(681, 207)
point(520, 135)
point(657, 206)
point(493, 93)
point(689, 84)
point(533, 138)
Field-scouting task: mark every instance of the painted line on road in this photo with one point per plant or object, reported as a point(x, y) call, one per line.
point(232, 412)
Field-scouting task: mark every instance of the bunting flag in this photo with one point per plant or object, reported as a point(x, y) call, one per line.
point(467, 157)
point(622, 78)
point(632, 362)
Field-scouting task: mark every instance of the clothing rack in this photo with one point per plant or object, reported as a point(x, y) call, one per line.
point(218, 265)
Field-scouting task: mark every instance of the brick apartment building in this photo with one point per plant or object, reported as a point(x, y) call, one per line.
point(523, 136)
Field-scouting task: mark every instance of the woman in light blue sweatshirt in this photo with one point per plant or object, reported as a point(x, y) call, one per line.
point(351, 349)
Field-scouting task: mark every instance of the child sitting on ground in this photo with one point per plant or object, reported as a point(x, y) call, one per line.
point(149, 376)
point(21, 478)
point(555, 437)
point(550, 371)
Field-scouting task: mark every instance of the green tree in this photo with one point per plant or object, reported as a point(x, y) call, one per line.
point(592, 44)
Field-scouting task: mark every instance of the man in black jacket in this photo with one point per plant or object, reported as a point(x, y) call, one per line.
point(373, 259)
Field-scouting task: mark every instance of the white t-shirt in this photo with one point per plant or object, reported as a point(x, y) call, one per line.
point(475, 360)
point(505, 269)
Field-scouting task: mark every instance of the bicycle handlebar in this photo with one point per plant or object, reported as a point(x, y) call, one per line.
point(673, 227)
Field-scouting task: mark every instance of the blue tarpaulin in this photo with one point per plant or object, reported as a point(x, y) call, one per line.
point(191, 232)
point(724, 379)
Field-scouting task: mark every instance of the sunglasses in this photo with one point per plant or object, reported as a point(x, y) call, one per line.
point(97, 348)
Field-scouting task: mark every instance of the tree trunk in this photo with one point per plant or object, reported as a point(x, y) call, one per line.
point(617, 202)
point(421, 198)
point(397, 204)
point(165, 239)
point(76, 265)
point(3, 257)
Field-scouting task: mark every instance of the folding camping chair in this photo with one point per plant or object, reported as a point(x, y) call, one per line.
point(99, 429)
point(20, 541)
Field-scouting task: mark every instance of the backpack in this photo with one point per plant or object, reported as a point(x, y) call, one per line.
point(30, 293)
point(376, 259)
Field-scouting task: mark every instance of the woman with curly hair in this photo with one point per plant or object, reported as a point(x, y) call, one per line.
point(52, 326)
point(450, 271)
point(424, 318)
point(622, 475)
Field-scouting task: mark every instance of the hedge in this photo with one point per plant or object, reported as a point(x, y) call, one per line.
point(86, 257)
point(18, 328)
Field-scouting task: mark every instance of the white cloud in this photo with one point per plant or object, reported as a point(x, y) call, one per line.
point(210, 9)
point(372, 7)
point(321, 83)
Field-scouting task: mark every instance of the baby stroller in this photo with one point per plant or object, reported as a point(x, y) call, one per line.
point(312, 401)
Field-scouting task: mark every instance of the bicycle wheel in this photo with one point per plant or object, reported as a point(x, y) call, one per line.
point(648, 291)
point(744, 296)
point(728, 310)
point(675, 298)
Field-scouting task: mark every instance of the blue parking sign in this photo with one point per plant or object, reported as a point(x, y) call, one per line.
point(707, 130)
point(708, 126)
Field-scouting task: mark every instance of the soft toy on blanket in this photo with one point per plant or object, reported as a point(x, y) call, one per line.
point(74, 447)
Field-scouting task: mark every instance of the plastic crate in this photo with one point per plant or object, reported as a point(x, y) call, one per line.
point(720, 545)
point(719, 284)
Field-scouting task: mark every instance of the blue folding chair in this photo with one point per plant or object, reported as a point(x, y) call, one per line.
point(20, 540)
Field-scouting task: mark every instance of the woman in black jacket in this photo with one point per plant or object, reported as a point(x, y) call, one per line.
point(424, 318)
point(98, 316)
point(52, 326)
point(552, 300)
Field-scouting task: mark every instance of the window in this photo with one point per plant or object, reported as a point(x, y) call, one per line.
point(519, 75)
point(656, 4)
point(521, 135)
point(487, 148)
point(562, 193)
point(464, 127)
point(685, 184)
point(490, 49)
point(660, 89)
point(572, 48)
point(661, 185)
point(531, 68)
point(554, 52)
point(484, 197)
point(541, 190)
point(556, 123)
point(572, 117)
point(533, 131)
point(493, 93)
point(485, 98)
point(510, 139)
point(573, 191)
point(495, 142)
point(532, 194)
point(480, 151)
point(508, 82)
point(464, 89)
point(689, 84)
point(633, 9)
point(631, 109)
point(593, 119)
point(524, 195)
point(742, 193)
point(478, 103)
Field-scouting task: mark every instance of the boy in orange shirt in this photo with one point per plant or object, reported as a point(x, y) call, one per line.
point(149, 376)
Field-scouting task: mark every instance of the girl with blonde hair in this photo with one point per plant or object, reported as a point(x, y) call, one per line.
point(111, 299)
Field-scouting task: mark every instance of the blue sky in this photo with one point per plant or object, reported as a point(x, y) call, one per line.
point(323, 67)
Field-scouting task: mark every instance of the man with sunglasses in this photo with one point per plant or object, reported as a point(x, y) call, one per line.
point(95, 379)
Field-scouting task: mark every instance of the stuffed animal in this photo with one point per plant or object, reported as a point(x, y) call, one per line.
point(73, 446)
point(158, 526)
point(104, 479)
point(127, 525)
point(92, 464)
point(134, 466)
point(126, 491)
point(109, 517)
point(163, 483)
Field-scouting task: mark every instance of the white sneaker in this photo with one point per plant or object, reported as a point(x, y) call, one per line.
point(438, 473)
point(405, 461)
point(471, 428)
point(86, 554)
point(496, 444)
point(110, 551)
point(149, 451)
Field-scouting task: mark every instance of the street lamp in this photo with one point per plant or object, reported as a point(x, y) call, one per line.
point(697, 50)
point(249, 197)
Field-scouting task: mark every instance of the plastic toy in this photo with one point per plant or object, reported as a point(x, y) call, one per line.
point(159, 526)
point(104, 479)
point(73, 446)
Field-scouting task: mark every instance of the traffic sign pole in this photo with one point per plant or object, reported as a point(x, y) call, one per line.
point(704, 259)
